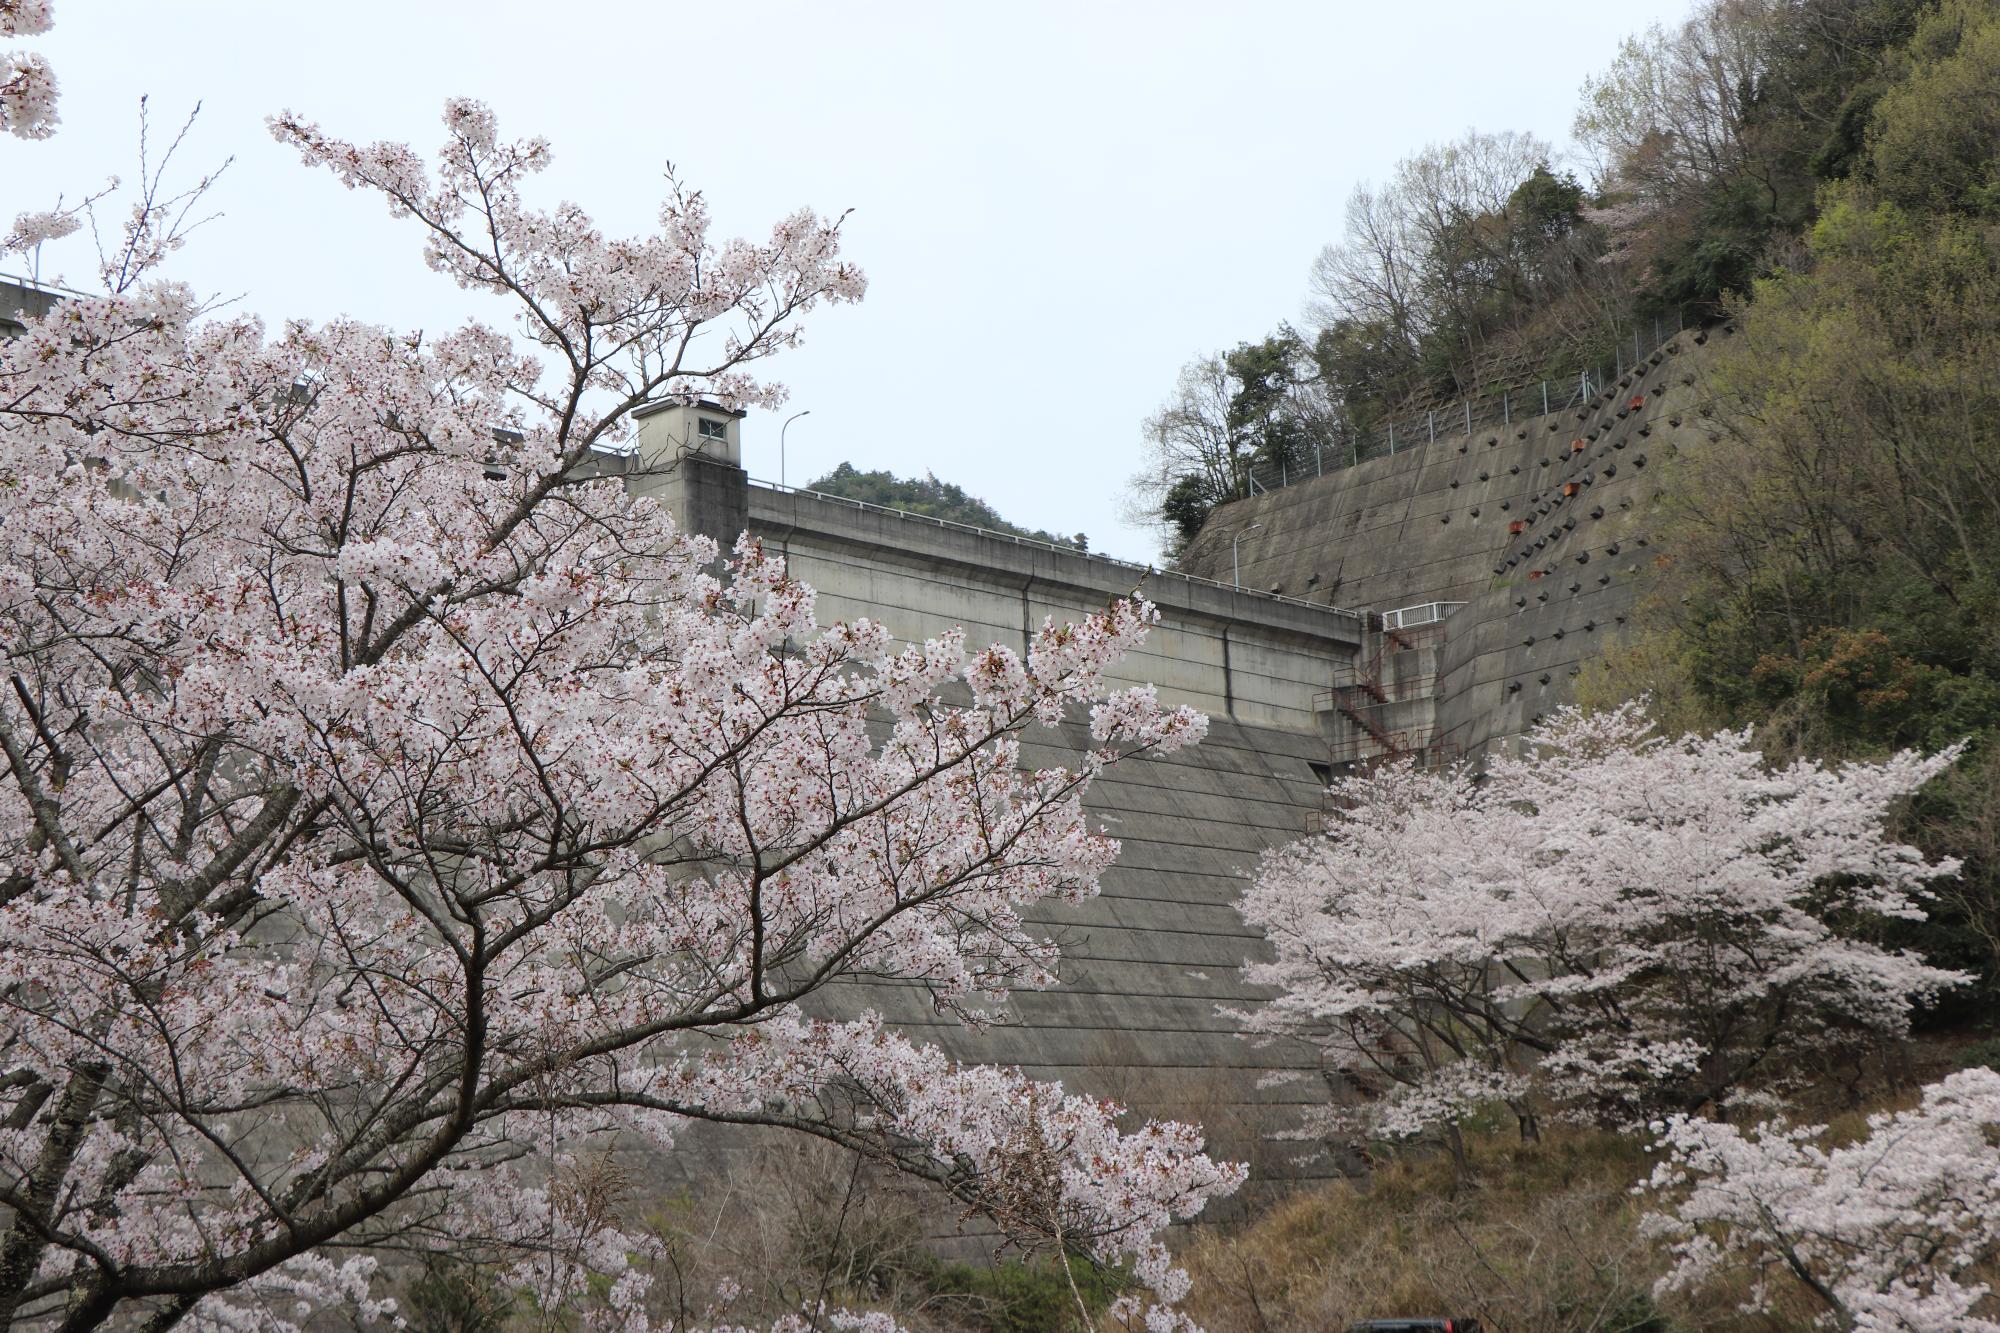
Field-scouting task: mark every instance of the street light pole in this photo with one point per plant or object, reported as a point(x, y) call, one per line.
point(781, 441)
point(1235, 567)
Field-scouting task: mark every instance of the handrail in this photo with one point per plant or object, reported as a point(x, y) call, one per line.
point(1018, 540)
point(26, 283)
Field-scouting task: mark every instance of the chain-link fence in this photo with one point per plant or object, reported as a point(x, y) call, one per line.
point(1500, 407)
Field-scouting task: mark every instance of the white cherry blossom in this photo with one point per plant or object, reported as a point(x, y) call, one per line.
point(1880, 1231)
point(1618, 923)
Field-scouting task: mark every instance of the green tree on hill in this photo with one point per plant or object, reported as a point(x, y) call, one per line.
point(1835, 568)
point(932, 498)
point(1481, 263)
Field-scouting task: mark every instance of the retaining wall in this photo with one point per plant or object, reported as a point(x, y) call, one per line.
point(1436, 523)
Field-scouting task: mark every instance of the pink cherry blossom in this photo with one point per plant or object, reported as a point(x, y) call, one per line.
point(396, 808)
point(33, 229)
point(27, 84)
point(25, 18)
point(27, 95)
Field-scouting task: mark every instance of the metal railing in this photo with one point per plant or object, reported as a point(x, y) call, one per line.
point(1502, 407)
point(1138, 570)
point(27, 283)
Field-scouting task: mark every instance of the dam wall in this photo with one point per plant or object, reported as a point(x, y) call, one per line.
point(1517, 551)
point(1249, 658)
point(1149, 960)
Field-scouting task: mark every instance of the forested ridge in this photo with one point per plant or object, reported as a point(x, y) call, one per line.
point(1702, 154)
point(1833, 569)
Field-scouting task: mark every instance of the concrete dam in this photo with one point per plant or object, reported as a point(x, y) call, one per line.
point(1427, 605)
point(1148, 961)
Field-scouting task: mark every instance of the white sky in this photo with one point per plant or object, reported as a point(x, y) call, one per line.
point(1056, 204)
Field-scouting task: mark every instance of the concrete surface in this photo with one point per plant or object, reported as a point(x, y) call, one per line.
point(1149, 961)
point(1434, 523)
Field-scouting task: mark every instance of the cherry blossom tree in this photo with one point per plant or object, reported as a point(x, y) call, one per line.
point(27, 84)
point(396, 808)
point(1617, 922)
point(1881, 1231)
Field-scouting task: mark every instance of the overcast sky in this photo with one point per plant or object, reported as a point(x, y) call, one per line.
point(1056, 204)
